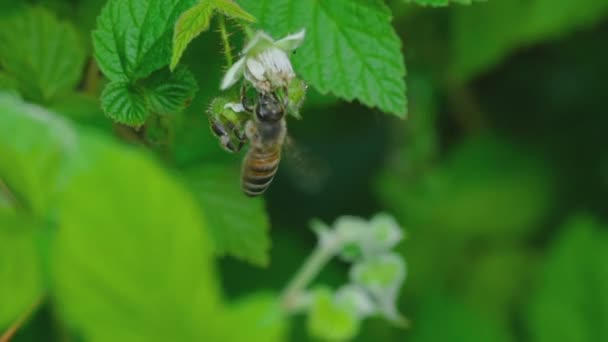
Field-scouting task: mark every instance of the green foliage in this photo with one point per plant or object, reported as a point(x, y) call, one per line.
point(124, 103)
point(260, 318)
point(133, 37)
point(457, 323)
point(570, 303)
point(19, 269)
point(481, 173)
point(239, 225)
point(339, 57)
point(197, 19)
point(51, 63)
point(160, 260)
point(135, 269)
point(536, 21)
point(104, 241)
point(132, 41)
point(169, 93)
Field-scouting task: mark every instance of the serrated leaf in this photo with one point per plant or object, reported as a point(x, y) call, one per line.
point(44, 55)
point(350, 50)
point(170, 93)
point(570, 302)
point(133, 37)
point(21, 283)
point(125, 103)
point(239, 224)
point(189, 25)
point(475, 50)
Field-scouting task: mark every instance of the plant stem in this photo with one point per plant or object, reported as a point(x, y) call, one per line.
point(12, 330)
point(309, 270)
point(225, 40)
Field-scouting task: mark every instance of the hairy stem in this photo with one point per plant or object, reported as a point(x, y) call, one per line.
point(309, 270)
point(225, 40)
point(12, 330)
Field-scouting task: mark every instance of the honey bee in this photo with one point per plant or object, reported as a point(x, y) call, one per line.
point(266, 131)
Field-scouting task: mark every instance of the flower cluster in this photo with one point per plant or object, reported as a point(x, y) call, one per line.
point(265, 62)
point(376, 276)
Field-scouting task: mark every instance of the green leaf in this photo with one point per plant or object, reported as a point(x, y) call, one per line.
point(476, 50)
point(131, 259)
point(231, 9)
point(259, 318)
point(125, 103)
point(162, 93)
point(328, 320)
point(135, 267)
point(473, 192)
point(133, 37)
point(441, 318)
point(570, 302)
point(25, 149)
point(196, 20)
point(239, 224)
point(44, 55)
point(190, 24)
point(170, 93)
point(497, 278)
point(8, 83)
point(82, 108)
point(338, 55)
point(21, 284)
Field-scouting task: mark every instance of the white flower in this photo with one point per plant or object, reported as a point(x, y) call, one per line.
point(265, 62)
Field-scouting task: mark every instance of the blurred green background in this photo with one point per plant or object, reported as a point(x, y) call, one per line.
point(499, 175)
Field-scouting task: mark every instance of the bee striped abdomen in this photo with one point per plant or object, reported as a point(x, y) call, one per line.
point(259, 168)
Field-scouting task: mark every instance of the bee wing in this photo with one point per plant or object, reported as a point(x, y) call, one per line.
point(307, 171)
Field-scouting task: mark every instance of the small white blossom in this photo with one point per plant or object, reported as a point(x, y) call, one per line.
point(265, 62)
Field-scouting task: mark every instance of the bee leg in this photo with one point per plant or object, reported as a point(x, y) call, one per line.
point(238, 133)
point(220, 131)
point(244, 101)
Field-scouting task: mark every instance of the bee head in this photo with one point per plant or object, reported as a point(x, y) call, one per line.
point(269, 108)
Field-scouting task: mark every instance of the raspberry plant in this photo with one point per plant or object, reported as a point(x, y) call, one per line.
point(122, 220)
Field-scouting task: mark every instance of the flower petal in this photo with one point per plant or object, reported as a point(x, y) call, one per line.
point(255, 70)
point(292, 41)
point(260, 42)
point(236, 107)
point(233, 74)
